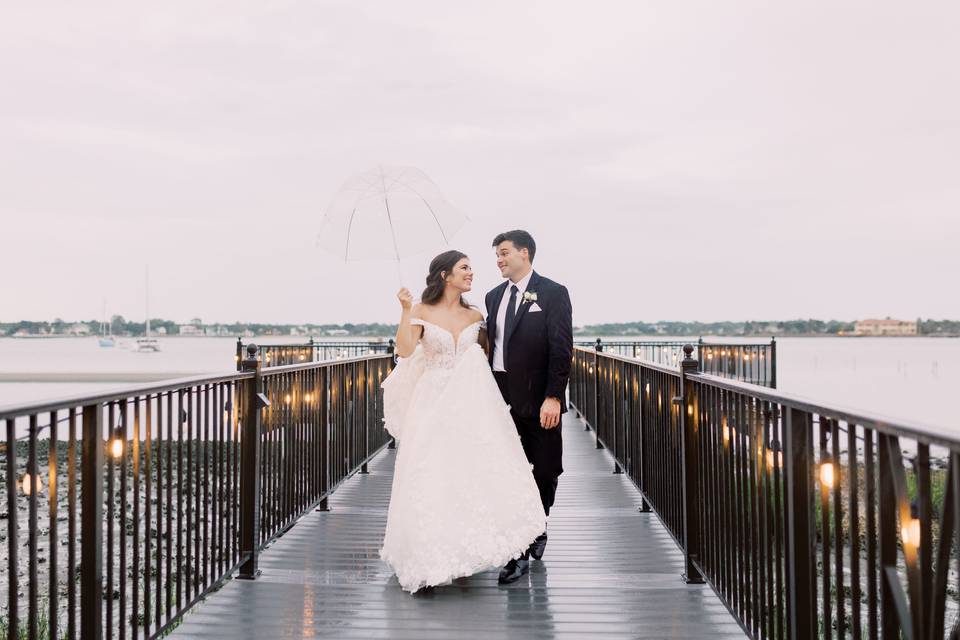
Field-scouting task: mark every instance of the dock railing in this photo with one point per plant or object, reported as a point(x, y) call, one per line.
point(754, 362)
point(808, 520)
point(156, 494)
point(278, 355)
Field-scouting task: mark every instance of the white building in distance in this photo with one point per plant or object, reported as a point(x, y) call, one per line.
point(190, 330)
point(886, 327)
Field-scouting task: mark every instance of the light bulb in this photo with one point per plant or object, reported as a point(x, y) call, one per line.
point(826, 474)
point(29, 483)
point(774, 457)
point(910, 532)
point(116, 448)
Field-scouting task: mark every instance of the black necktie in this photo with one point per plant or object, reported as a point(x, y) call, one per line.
point(508, 324)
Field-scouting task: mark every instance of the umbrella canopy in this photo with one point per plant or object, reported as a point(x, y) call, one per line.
point(388, 213)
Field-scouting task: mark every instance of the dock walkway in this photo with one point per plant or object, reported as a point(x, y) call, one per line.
point(609, 572)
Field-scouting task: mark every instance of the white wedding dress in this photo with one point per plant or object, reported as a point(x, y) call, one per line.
point(464, 499)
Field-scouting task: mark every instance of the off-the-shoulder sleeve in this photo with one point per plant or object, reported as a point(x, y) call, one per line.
point(398, 390)
point(417, 321)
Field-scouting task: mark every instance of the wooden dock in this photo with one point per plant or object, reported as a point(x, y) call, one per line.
point(609, 571)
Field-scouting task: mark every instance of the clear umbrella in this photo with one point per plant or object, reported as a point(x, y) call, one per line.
point(388, 213)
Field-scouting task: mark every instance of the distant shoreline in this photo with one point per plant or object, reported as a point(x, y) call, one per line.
point(582, 336)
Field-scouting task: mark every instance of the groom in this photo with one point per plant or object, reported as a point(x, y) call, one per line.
point(530, 329)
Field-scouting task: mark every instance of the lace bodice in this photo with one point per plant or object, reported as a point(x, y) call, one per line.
point(440, 348)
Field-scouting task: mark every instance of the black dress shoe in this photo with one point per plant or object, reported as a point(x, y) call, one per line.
point(514, 570)
point(538, 546)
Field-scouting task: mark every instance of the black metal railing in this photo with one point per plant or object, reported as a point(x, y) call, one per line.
point(278, 355)
point(749, 362)
point(157, 494)
point(807, 520)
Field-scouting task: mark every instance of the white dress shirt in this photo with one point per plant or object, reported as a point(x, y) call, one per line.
point(498, 364)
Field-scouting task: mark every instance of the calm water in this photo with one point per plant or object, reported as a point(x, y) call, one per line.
point(912, 379)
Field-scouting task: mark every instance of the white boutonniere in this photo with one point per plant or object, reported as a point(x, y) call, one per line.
point(529, 296)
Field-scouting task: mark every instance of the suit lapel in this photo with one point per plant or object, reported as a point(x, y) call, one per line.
point(522, 311)
point(495, 311)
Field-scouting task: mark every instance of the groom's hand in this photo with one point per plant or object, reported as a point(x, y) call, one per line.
point(550, 413)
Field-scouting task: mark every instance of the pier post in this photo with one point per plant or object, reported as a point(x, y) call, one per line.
point(798, 458)
point(91, 524)
point(391, 349)
point(773, 362)
point(366, 416)
point(251, 401)
point(598, 349)
point(691, 486)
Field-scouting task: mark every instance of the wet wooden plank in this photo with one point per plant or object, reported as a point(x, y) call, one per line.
point(609, 572)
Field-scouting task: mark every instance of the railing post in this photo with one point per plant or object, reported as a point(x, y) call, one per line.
point(596, 392)
point(392, 349)
point(616, 422)
point(91, 525)
point(250, 467)
point(773, 362)
point(312, 350)
point(239, 357)
point(801, 566)
point(691, 470)
point(366, 416)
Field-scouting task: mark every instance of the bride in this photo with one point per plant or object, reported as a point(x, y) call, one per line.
point(464, 499)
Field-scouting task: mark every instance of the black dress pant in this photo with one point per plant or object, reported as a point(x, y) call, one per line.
point(543, 447)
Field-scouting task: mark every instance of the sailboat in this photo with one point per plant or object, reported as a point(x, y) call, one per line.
point(147, 343)
point(106, 340)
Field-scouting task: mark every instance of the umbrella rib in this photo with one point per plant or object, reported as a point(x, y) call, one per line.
point(393, 234)
point(346, 249)
point(435, 219)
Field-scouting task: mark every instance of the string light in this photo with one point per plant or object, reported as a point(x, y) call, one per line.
point(827, 474)
point(30, 483)
point(116, 447)
point(287, 398)
point(910, 530)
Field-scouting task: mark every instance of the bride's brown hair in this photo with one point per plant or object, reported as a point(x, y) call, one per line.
point(440, 267)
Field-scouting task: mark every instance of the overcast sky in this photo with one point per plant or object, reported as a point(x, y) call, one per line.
point(674, 160)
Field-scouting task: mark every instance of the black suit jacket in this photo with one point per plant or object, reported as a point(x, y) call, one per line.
point(539, 348)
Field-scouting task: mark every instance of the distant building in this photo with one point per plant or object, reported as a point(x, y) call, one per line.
point(190, 330)
point(78, 329)
point(887, 327)
point(337, 332)
point(161, 331)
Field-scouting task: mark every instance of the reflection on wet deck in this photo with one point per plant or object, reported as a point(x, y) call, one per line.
point(609, 572)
